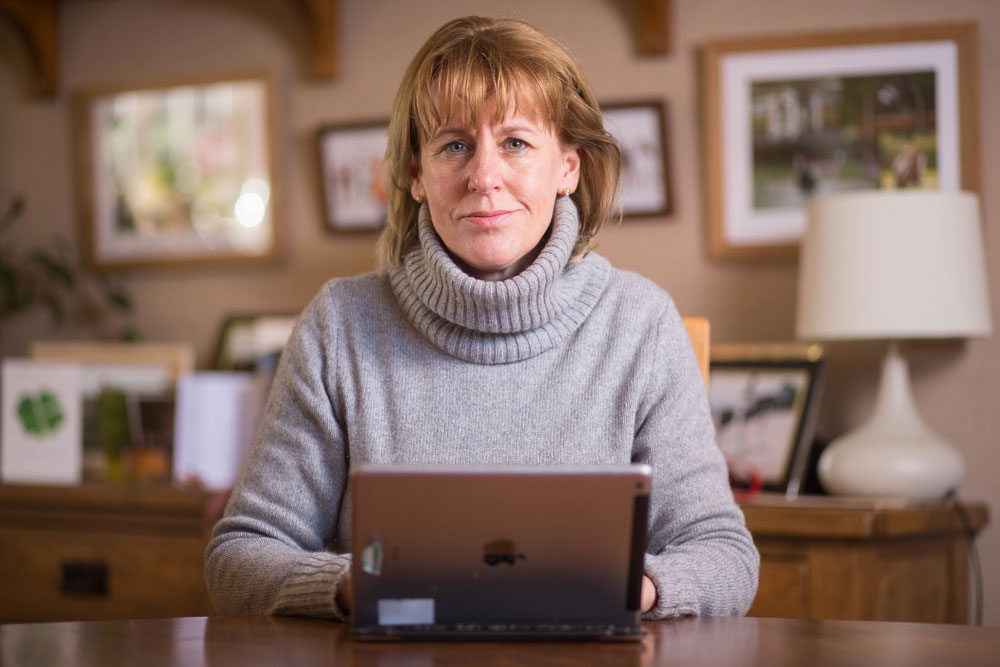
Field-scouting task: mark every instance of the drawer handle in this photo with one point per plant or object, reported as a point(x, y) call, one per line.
point(85, 577)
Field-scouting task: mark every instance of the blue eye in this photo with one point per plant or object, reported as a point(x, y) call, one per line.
point(516, 144)
point(454, 147)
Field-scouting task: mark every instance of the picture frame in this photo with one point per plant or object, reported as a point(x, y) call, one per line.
point(640, 129)
point(127, 393)
point(175, 358)
point(789, 117)
point(253, 342)
point(178, 173)
point(764, 399)
point(351, 159)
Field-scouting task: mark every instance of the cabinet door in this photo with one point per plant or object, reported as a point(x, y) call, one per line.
point(782, 591)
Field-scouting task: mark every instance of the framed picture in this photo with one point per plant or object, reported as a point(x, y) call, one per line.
point(178, 174)
point(792, 117)
point(253, 342)
point(351, 159)
point(640, 129)
point(764, 400)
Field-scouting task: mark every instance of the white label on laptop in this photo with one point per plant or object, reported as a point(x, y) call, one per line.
point(406, 611)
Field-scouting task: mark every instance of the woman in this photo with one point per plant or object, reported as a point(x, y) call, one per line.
point(492, 336)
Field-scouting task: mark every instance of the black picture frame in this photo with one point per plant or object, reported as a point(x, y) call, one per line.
point(764, 400)
point(253, 342)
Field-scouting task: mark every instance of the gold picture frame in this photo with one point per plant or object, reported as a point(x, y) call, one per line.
point(179, 173)
point(781, 123)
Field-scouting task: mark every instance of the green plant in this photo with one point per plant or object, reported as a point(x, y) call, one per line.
point(55, 276)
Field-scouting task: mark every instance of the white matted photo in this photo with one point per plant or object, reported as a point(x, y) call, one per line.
point(351, 166)
point(792, 117)
point(178, 173)
point(639, 129)
point(42, 429)
point(764, 399)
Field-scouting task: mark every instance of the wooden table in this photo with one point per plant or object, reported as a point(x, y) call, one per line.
point(732, 642)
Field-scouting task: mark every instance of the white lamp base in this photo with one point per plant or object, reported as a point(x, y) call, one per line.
point(893, 453)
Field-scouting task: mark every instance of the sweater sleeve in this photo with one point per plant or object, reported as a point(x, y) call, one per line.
point(700, 555)
point(267, 553)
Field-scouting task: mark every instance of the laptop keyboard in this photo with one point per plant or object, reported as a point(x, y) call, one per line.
point(568, 631)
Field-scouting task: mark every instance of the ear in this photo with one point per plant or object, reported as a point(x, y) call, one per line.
point(416, 185)
point(571, 168)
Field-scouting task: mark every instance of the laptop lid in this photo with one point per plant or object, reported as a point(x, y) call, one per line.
point(498, 551)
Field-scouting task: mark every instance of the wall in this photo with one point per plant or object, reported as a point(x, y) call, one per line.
point(117, 41)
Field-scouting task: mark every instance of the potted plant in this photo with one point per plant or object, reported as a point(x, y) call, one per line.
point(55, 276)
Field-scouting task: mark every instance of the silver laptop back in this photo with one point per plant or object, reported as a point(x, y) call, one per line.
point(498, 551)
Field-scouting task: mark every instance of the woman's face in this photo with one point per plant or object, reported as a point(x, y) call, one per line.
point(491, 187)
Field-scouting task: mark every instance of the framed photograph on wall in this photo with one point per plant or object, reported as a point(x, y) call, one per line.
point(791, 117)
point(353, 176)
point(179, 173)
point(764, 399)
point(640, 129)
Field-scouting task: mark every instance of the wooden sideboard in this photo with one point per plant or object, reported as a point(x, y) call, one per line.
point(112, 552)
point(832, 558)
point(102, 552)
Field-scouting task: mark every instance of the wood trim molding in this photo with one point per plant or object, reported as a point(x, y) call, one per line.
point(650, 23)
point(321, 17)
point(36, 21)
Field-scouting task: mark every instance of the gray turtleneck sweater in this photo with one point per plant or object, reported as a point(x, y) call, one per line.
point(563, 363)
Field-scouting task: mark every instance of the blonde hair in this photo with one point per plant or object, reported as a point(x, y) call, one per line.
point(462, 65)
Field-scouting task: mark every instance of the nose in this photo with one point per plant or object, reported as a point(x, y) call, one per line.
point(484, 169)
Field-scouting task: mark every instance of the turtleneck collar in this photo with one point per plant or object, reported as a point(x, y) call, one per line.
point(506, 320)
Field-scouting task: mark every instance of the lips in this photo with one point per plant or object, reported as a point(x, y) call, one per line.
point(487, 218)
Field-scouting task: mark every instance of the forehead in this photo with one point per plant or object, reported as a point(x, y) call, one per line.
point(450, 103)
point(464, 115)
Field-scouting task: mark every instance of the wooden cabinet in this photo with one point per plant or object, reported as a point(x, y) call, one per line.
point(102, 551)
point(826, 558)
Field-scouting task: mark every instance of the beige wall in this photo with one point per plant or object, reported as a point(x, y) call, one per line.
point(116, 41)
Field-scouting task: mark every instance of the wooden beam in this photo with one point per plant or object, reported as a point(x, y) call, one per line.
point(35, 20)
point(321, 24)
point(650, 24)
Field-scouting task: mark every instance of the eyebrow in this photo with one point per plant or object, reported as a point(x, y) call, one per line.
point(503, 129)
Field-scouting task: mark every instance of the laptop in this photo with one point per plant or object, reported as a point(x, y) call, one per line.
point(498, 552)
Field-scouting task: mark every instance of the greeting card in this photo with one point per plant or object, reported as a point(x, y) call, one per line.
point(41, 435)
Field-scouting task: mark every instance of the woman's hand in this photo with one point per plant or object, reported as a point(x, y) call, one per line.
point(345, 592)
point(648, 598)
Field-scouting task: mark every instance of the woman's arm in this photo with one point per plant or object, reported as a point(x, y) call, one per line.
point(267, 554)
point(700, 555)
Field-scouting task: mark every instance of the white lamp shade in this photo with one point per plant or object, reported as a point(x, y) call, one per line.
point(893, 265)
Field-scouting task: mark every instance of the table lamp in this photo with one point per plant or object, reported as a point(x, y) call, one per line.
point(892, 265)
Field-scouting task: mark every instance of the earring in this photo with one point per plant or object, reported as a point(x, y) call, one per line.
point(419, 199)
point(566, 192)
